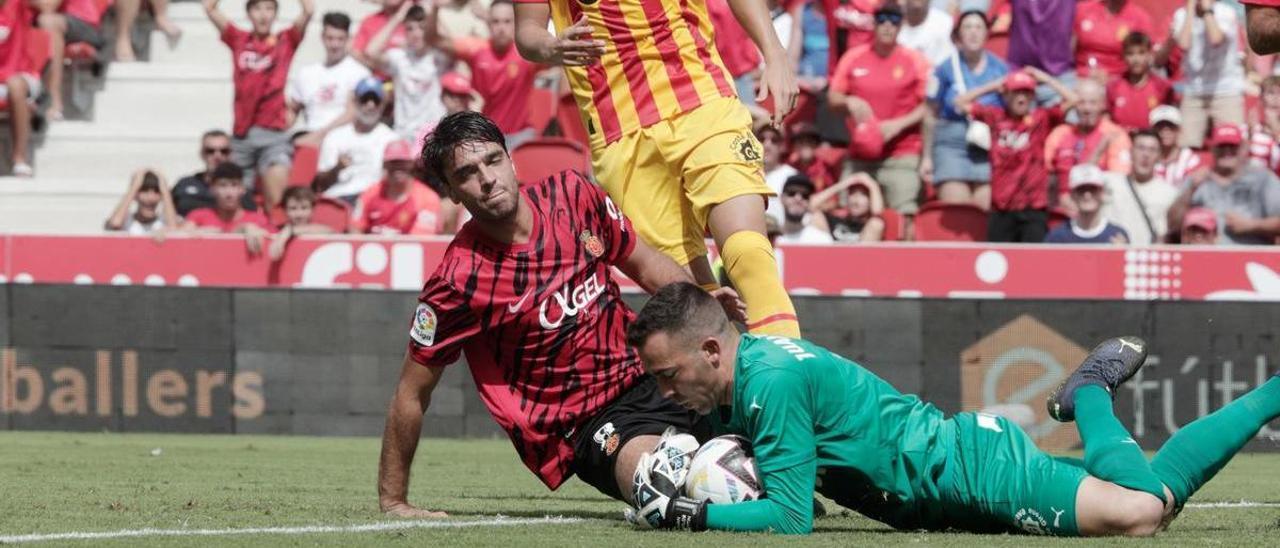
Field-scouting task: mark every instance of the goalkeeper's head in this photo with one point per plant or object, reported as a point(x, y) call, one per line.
point(686, 341)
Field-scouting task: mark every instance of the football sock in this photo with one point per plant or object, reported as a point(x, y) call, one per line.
point(1110, 453)
point(749, 260)
point(1196, 452)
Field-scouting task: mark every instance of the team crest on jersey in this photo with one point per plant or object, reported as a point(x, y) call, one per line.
point(747, 149)
point(591, 243)
point(1031, 521)
point(424, 325)
point(607, 438)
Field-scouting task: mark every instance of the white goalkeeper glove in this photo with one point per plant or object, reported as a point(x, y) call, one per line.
point(658, 481)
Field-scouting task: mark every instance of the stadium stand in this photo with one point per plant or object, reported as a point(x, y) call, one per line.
point(541, 158)
point(939, 222)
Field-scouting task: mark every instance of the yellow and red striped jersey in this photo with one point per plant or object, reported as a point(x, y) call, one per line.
point(660, 61)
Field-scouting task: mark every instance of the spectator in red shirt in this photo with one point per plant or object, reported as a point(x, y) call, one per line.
point(370, 27)
point(227, 216)
point(883, 84)
point(398, 204)
point(1091, 139)
point(457, 95)
point(68, 22)
point(1019, 183)
point(261, 142)
point(21, 80)
point(1131, 97)
point(1200, 227)
point(736, 49)
point(1264, 127)
point(502, 77)
point(299, 206)
point(850, 23)
point(127, 14)
point(821, 162)
point(1100, 29)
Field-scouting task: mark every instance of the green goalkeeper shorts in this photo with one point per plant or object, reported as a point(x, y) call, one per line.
point(996, 480)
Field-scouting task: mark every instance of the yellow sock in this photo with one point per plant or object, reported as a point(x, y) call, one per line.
point(749, 259)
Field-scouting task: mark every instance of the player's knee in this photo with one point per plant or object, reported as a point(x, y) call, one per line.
point(1141, 516)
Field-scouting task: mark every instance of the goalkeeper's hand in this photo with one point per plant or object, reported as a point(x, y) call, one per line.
point(658, 501)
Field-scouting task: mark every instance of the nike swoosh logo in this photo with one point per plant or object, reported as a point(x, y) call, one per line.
point(1129, 440)
point(515, 307)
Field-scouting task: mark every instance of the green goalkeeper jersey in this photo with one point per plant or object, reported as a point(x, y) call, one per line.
point(817, 421)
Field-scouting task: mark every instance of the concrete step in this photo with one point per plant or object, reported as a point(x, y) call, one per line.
point(54, 213)
point(116, 160)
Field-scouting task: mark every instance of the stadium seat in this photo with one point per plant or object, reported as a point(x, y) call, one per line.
point(303, 171)
point(941, 222)
point(81, 53)
point(540, 158)
point(335, 214)
point(38, 51)
point(570, 121)
point(542, 107)
point(893, 228)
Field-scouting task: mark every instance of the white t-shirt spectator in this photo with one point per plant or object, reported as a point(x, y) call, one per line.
point(775, 179)
point(782, 27)
point(417, 85)
point(324, 91)
point(365, 150)
point(932, 38)
point(1121, 209)
point(1212, 70)
point(133, 227)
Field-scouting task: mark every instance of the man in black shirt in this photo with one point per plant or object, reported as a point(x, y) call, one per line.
point(192, 191)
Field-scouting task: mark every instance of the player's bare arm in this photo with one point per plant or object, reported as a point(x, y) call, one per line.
point(652, 270)
point(376, 51)
point(400, 438)
point(215, 15)
point(779, 77)
point(308, 8)
point(572, 47)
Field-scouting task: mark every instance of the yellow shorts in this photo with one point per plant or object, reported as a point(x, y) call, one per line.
point(668, 176)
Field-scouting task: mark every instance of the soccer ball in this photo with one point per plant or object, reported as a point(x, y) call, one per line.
point(724, 472)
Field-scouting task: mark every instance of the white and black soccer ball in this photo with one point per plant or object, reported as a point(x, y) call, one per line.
point(724, 472)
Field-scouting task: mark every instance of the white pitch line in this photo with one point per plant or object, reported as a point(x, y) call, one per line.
point(499, 521)
point(1236, 504)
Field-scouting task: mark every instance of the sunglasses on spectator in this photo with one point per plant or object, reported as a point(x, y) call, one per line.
point(882, 18)
point(225, 151)
point(800, 193)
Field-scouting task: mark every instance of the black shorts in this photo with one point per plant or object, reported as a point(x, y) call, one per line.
point(639, 411)
point(79, 30)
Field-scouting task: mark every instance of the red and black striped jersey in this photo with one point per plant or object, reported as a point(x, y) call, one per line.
point(542, 324)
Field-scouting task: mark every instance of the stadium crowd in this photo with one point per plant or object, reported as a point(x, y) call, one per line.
point(1062, 121)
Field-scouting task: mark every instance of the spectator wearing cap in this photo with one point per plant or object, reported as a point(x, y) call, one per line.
point(810, 156)
point(880, 87)
point(415, 69)
point(776, 170)
point(1199, 227)
point(1176, 160)
point(1089, 226)
point(21, 81)
point(1139, 203)
point(1019, 183)
point(323, 93)
point(299, 207)
point(351, 156)
point(926, 30)
point(858, 219)
point(1264, 127)
point(373, 24)
point(457, 94)
point(1133, 95)
point(1213, 76)
point(960, 170)
point(1246, 198)
point(1101, 27)
point(398, 204)
point(1091, 139)
point(260, 141)
point(499, 74)
point(226, 216)
point(145, 208)
point(799, 226)
point(1041, 36)
point(67, 22)
point(193, 191)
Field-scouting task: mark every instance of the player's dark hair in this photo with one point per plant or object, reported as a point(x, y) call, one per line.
point(1136, 39)
point(681, 307)
point(226, 170)
point(416, 14)
point(453, 131)
point(301, 193)
point(337, 20)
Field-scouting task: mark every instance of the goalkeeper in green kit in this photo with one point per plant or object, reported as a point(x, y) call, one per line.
point(817, 421)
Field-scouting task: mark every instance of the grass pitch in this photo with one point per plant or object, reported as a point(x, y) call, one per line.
point(61, 483)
